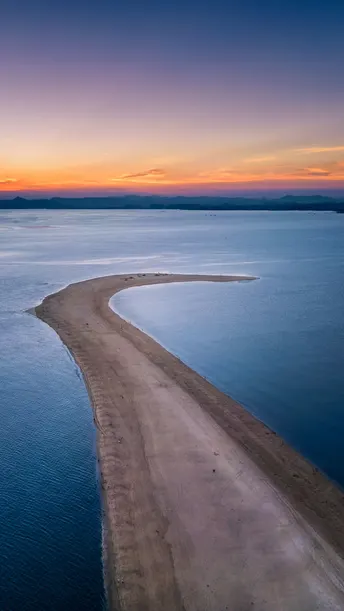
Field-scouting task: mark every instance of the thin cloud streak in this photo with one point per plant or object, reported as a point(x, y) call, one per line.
point(320, 149)
point(7, 181)
point(154, 172)
point(317, 172)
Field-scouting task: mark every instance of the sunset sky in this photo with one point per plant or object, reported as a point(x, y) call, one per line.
point(163, 97)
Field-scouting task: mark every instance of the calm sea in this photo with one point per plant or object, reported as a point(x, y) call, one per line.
point(276, 345)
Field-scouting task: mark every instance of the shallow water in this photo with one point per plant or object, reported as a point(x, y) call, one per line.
point(275, 344)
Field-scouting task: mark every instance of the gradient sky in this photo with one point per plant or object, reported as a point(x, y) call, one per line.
point(186, 96)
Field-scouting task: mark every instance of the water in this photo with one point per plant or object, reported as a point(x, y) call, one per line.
point(275, 344)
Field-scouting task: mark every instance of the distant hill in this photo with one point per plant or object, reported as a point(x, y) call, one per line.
point(155, 202)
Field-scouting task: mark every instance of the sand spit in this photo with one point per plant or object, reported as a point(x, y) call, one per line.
point(206, 508)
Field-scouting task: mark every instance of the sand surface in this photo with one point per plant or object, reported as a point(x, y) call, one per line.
point(206, 509)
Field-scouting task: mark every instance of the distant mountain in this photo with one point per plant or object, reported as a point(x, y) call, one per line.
point(155, 202)
point(308, 199)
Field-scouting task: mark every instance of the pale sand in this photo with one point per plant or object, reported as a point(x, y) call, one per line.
point(206, 508)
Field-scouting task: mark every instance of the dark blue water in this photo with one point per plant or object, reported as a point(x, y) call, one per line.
point(50, 522)
point(275, 344)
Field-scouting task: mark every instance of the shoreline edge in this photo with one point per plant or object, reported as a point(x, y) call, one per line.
point(129, 376)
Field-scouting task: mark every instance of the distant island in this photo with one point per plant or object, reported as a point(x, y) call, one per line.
point(156, 202)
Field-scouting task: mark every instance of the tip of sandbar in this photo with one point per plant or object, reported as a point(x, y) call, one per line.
point(31, 311)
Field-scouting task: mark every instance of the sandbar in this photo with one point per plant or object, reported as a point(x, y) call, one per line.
point(205, 508)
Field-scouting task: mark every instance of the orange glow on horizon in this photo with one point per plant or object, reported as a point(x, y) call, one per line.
point(169, 186)
point(167, 174)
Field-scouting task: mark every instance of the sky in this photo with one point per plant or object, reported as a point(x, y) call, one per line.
point(150, 96)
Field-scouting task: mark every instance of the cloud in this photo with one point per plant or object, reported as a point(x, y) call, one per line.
point(311, 172)
point(320, 149)
point(153, 172)
point(259, 159)
point(7, 181)
point(305, 172)
point(317, 172)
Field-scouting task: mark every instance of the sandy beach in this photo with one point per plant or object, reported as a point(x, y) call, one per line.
point(205, 508)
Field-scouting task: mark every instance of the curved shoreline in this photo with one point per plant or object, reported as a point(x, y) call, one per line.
point(197, 492)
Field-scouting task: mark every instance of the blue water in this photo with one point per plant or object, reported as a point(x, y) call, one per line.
point(275, 344)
